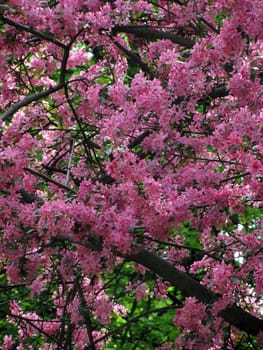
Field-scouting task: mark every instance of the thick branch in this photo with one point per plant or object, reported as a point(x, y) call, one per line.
point(220, 91)
point(182, 281)
point(190, 287)
point(179, 279)
point(153, 34)
point(139, 139)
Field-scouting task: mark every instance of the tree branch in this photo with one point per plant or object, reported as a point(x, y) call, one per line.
point(220, 91)
point(86, 315)
point(153, 34)
point(49, 179)
point(217, 92)
point(139, 139)
point(182, 281)
point(36, 33)
point(38, 95)
point(179, 279)
point(188, 285)
point(136, 58)
point(232, 314)
point(29, 99)
point(29, 198)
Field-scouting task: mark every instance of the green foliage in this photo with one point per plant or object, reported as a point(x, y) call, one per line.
point(191, 236)
point(6, 328)
point(155, 316)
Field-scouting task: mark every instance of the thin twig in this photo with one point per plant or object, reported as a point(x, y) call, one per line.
point(69, 163)
point(49, 179)
point(181, 246)
point(135, 319)
point(234, 177)
point(31, 323)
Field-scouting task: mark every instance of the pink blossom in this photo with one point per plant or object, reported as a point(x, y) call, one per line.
point(131, 132)
point(141, 291)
